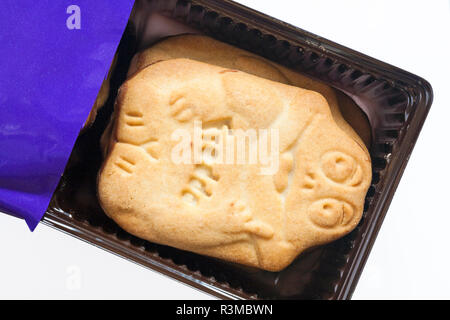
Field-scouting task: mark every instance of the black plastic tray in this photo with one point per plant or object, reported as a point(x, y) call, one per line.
point(395, 101)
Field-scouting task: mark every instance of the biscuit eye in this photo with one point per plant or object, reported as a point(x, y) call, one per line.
point(329, 213)
point(341, 168)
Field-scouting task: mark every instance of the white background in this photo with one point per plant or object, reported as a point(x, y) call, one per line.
point(410, 258)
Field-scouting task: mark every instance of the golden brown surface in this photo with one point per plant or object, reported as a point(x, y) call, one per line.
point(208, 50)
point(228, 211)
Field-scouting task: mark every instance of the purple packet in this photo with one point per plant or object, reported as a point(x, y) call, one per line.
point(53, 58)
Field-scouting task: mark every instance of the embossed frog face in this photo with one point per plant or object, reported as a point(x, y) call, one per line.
point(230, 211)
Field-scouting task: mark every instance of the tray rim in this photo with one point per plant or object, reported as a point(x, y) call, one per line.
point(422, 94)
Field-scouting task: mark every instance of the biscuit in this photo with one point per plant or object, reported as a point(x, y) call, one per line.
point(230, 211)
point(208, 50)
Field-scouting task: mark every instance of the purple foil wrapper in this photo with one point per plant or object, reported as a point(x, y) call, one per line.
point(54, 56)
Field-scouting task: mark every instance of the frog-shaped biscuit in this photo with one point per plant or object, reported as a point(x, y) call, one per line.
point(230, 211)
